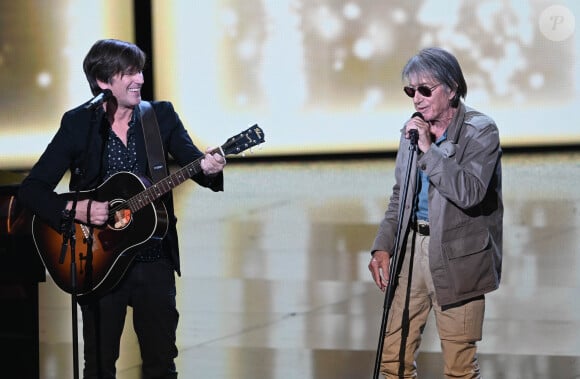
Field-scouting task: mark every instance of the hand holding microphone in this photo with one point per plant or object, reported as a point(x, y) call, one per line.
point(412, 128)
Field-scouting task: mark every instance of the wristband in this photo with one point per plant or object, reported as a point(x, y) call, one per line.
point(89, 211)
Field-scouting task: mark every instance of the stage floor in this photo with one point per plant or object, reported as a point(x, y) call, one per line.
point(275, 282)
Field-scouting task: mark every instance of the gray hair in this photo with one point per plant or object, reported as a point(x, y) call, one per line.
point(442, 66)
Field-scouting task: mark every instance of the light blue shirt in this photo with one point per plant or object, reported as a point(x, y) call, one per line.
point(422, 202)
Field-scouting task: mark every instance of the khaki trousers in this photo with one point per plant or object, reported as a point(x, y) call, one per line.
point(459, 327)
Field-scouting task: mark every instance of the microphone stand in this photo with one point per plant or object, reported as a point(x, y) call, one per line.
point(68, 229)
point(394, 267)
point(69, 236)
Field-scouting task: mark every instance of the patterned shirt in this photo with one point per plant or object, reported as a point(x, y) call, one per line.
point(119, 156)
point(124, 158)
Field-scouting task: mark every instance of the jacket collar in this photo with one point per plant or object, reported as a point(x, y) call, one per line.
point(454, 128)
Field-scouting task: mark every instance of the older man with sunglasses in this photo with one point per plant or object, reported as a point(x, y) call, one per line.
point(451, 223)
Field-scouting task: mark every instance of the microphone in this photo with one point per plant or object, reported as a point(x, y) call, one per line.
point(99, 99)
point(414, 133)
point(418, 114)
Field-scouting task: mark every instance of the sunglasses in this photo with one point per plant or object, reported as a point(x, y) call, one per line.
point(423, 90)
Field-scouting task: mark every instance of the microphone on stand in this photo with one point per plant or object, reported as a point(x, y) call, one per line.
point(414, 133)
point(96, 101)
point(418, 114)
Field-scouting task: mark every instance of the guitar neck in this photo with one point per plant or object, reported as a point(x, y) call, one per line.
point(156, 190)
point(250, 137)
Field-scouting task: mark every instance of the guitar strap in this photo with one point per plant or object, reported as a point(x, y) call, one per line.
point(153, 144)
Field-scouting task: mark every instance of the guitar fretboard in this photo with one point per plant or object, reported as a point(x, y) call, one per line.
point(156, 190)
point(245, 140)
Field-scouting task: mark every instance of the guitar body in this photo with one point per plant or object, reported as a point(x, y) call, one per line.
point(114, 248)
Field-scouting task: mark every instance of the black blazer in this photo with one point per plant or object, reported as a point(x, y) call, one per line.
point(83, 131)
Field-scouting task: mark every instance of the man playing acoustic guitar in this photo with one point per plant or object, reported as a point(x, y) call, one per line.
point(105, 145)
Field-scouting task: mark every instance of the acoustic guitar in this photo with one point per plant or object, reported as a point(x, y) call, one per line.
point(137, 216)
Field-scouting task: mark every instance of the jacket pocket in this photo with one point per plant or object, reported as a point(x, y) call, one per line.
point(466, 243)
point(470, 259)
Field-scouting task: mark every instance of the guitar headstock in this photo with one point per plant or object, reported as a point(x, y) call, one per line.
point(250, 137)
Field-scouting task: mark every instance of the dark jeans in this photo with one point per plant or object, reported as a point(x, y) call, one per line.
point(149, 288)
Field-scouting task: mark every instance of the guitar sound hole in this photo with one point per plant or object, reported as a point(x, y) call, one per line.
point(122, 219)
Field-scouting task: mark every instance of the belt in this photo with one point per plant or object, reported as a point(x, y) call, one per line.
point(421, 227)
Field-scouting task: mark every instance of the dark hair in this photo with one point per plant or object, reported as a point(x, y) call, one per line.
point(442, 66)
point(109, 57)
